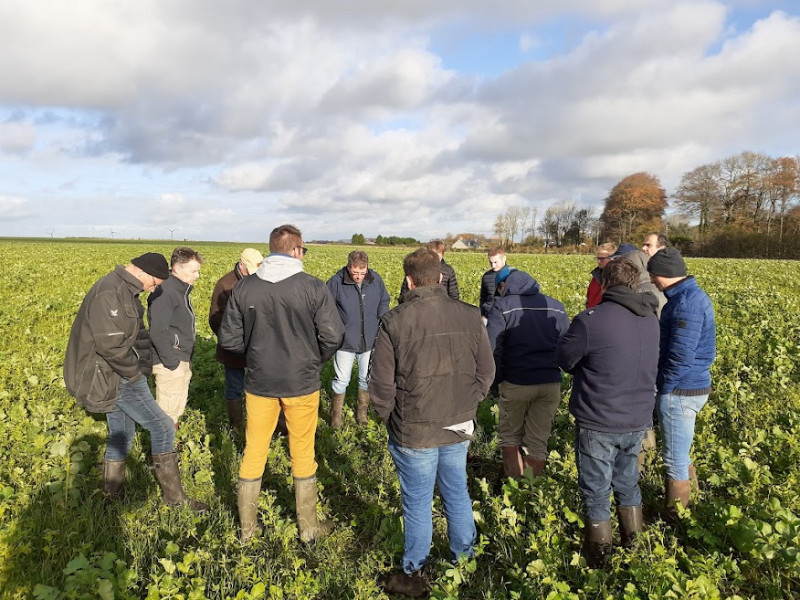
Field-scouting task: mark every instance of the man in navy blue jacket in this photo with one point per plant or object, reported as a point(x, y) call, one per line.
point(524, 326)
point(686, 351)
point(361, 299)
point(608, 350)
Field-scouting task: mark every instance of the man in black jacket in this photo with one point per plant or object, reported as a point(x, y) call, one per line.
point(609, 351)
point(285, 322)
point(449, 282)
point(106, 367)
point(431, 366)
point(497, 260)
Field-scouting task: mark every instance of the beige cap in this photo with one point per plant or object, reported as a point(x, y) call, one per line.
point(251, 259)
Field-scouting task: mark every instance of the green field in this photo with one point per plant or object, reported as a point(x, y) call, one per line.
point(59, 539)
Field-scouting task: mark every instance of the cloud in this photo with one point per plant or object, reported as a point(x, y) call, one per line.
point(14, 209)
point(17, 138)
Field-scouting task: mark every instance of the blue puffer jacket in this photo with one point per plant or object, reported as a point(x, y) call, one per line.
point(524, 326)
point(360, 310)
point(688, 340)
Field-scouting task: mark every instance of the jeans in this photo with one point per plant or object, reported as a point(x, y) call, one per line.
point(676, 416)
point(234, 383)
point(135, 404)
point(418, 469)
point(607, 461)
point(302, 413)
point(343, 366)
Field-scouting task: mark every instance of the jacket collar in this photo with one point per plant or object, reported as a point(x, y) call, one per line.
point(132, 282)
point(428, 291)
point(347, 279)
point(677, 288)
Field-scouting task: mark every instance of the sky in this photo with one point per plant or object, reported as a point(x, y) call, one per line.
point(220, 120)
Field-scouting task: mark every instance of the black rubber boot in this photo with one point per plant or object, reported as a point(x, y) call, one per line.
point(169, 479)
point(113, 478)
point(597, 544)
point(631, 523)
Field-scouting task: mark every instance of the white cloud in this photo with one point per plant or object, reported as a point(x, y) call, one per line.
point(16, 208)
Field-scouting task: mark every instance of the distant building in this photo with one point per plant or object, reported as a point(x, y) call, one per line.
point(465, 244)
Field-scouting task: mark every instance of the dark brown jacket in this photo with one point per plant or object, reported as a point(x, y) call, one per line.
point(431, 367)
point(219, 300)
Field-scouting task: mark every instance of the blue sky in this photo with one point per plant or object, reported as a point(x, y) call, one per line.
point(219, 121)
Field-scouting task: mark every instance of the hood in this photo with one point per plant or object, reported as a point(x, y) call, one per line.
point(277, 267)
point(639, 259)
point(519, 283)
point(624, 249)
point(642, 304)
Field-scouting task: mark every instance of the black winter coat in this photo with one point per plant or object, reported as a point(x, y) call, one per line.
point(360, 309)
point(172, 323)
point(449, 283)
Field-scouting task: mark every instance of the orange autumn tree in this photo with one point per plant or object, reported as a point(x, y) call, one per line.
point(633, 208)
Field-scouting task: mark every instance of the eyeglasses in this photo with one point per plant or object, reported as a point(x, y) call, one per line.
point(303, 248)
point(599, 258)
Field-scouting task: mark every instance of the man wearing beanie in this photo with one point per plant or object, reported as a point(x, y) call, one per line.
point(106, 367)
point(686, 350)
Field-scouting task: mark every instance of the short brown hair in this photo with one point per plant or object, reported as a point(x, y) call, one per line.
point(284, 239)
point(358, 258)
point(182, 255)
point(496, 250)
point(423, 267)
point(436, 246)
point(619, 271)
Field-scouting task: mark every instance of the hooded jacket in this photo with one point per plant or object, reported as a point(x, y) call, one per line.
point(610, 351)
point(639, 259)
point(108, 341)
point(172, 323)
point(286, 323)
point(688, 340)
point(219, 300)
point(359, 307)
point(524, 327)
point(431, 367)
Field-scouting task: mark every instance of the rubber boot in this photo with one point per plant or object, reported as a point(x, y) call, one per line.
point(536, 465)
point(597, 544)
point(236, 413)
point(693, 478)
point(512, 461)
point(631, 523)
point(648, 443)
point(337, 402)
point(400, 583)
point(305, 494)
point(247, 494)
point(113, 478)
point(363, 406)
point(169, 479)
point(677, 491)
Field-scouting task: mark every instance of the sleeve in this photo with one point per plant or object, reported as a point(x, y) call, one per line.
point(219, 299)
point(572, 346)
point(452, 285)
point(382, 387)
point(496, 331)
point(685, 327)
point(231, 334)
point(159, 315)
point(487, 294)
point(485, 372)
point(403, 290)
point(328, 323)
point(383, 304)
point(562, 321)
point(108, 332)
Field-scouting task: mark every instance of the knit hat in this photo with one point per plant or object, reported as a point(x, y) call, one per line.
point(667, 262)
point(503, 274)
point(251, 258)
point(153, 264)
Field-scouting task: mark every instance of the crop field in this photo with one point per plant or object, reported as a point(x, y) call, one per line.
point(60, 539)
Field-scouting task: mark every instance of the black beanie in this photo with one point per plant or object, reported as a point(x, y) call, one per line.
point(667, 262)
point(153, 264)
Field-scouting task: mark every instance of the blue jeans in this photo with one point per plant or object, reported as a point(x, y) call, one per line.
point(135, 404)
point(676, 416)
point(343, 366)
point(418, 469)
point(606, 462)
point(234, 383)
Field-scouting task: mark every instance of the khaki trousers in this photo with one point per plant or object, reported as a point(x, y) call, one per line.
point(172, 388)
point(526, 416)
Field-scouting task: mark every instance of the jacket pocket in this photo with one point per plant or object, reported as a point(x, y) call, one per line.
point(101, 392)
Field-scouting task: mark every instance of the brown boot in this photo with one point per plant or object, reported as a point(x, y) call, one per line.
point(631, 523)
point(236, 413)
point(113, 478)
point(597, 543)
point(536, 465)
point(363, 406)
point(648, 443)
point(403, 584)
point(693, 478)
point(512, 461)
point(169, 479)
point(305, 494)
point(247, 493)
point(677, 492)
point(337, 402)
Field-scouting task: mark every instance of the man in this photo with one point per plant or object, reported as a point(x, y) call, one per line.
point(431, 366)
point(106, 367)
point(686, 351)
point(285, 322)
point(172, 329)
point(361, 299)
point(497, 260)
point(449, 281)
point(654, 242)
point(603, 254)
point(608, 350)
point(524, 327)
point(234, 363)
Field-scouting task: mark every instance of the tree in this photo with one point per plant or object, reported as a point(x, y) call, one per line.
point(636, 204)
point(358, 239)
point(698, 195)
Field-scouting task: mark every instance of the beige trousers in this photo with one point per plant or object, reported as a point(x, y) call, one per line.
point(526, 416)
point(172, 388)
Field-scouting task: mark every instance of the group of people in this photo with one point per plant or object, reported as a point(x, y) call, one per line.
point(424, 366)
